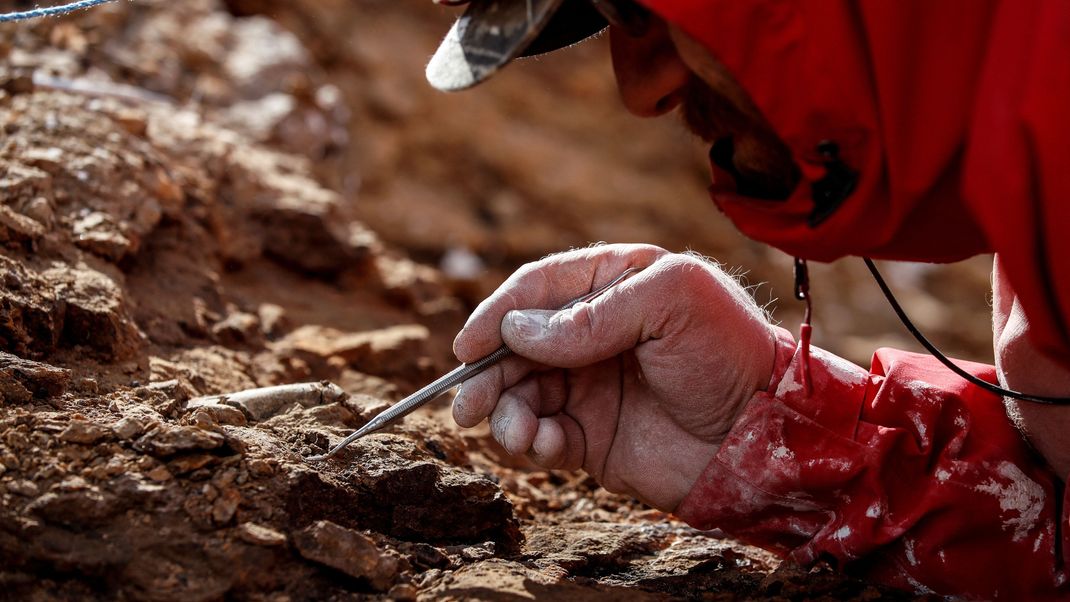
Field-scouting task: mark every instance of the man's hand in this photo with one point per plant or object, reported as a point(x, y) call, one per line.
point(637, 387)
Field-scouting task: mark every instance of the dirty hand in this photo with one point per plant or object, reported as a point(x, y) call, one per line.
point(637, 387)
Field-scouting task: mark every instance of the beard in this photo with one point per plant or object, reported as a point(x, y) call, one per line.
point(744, 144)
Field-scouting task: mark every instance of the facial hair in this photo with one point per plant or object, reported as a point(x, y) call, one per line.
point(744, 144)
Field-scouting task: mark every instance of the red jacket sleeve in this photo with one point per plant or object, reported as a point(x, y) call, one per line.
point(906, 475)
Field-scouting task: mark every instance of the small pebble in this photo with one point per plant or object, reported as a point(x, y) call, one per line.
point(23, 488)
point(159, 474)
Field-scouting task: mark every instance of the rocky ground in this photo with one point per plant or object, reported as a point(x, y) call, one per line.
point(204, 197)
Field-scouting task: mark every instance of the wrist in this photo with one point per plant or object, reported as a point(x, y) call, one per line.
point(779, 354)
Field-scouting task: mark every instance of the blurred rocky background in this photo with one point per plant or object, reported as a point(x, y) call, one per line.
point(543, 158)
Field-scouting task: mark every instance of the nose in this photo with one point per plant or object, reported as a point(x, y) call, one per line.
point(650, 74)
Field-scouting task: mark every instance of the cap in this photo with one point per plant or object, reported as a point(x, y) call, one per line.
point(491, 33)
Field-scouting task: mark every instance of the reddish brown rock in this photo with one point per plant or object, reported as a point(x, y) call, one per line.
point(348, 551)
point(84, 432)
point(224, 506)
point(238, 328)
point(21, 379)
point(165, 441)
point(15, 227)
point(214, 414)
point(96, 313)
point(411, 490)
point(81, 508)
point(388, 351)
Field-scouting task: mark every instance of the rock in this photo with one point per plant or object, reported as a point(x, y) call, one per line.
point(16, 81)
point(367, 406)
point(388, 351)
point(508, 580)
point(12, 391)
point(261, 468)
point(177, 570)
point(190, 462)
point(214, 414)
point(260, 118)
point(319, 243)
point(88, 385)
point(347, 551)
point(95, 312)
point(238, 328)
point(84, 432)
point(314, 419)
point(273, 320)
point(262, 52)
point(402, 592)
point(31, 319)
point(168, 398)
point(174, 389)
point(18, 228)
point(300, 223)
point(480, 552)
point(427, 500)
point(23, 488)
point(160, 474)
point(28, 191)
point(40, 210)
point(21, 378)
point(98, 233)
point(224, 506)
point(128, 428)
point(578, 545)
point(167, 440)
point(259, 535)
point(80, 508)
point(135, 122)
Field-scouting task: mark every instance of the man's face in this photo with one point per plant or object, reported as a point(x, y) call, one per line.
point(665, 69)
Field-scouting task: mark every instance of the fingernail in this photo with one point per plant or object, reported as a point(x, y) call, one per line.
point(527, 325)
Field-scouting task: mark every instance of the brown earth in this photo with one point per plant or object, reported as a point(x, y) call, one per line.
point(202, 197)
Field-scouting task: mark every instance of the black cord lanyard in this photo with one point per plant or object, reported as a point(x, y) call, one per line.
point(802, 293)
point(944, 359)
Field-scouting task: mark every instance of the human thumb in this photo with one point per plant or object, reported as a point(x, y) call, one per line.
point(582, 335)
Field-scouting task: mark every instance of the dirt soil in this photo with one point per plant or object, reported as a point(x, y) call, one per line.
point(203, 197)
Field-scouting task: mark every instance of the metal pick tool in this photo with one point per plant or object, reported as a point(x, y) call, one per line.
point(455, 377)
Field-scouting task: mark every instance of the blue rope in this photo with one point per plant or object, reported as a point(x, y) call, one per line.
point(51, 11)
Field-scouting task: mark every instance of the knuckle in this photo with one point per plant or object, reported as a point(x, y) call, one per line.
point(653, 251)
point(524, 271)
point(592, 326)
point(576, 326)
point(688, 273)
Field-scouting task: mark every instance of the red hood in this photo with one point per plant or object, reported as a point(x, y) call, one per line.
point(952, 113)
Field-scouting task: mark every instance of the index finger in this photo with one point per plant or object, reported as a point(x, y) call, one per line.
point(547, 284)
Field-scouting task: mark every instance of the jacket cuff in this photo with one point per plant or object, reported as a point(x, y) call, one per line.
point(756, 464)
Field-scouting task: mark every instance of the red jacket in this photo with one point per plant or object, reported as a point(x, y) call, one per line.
point(907, 475)
point(956, 117)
